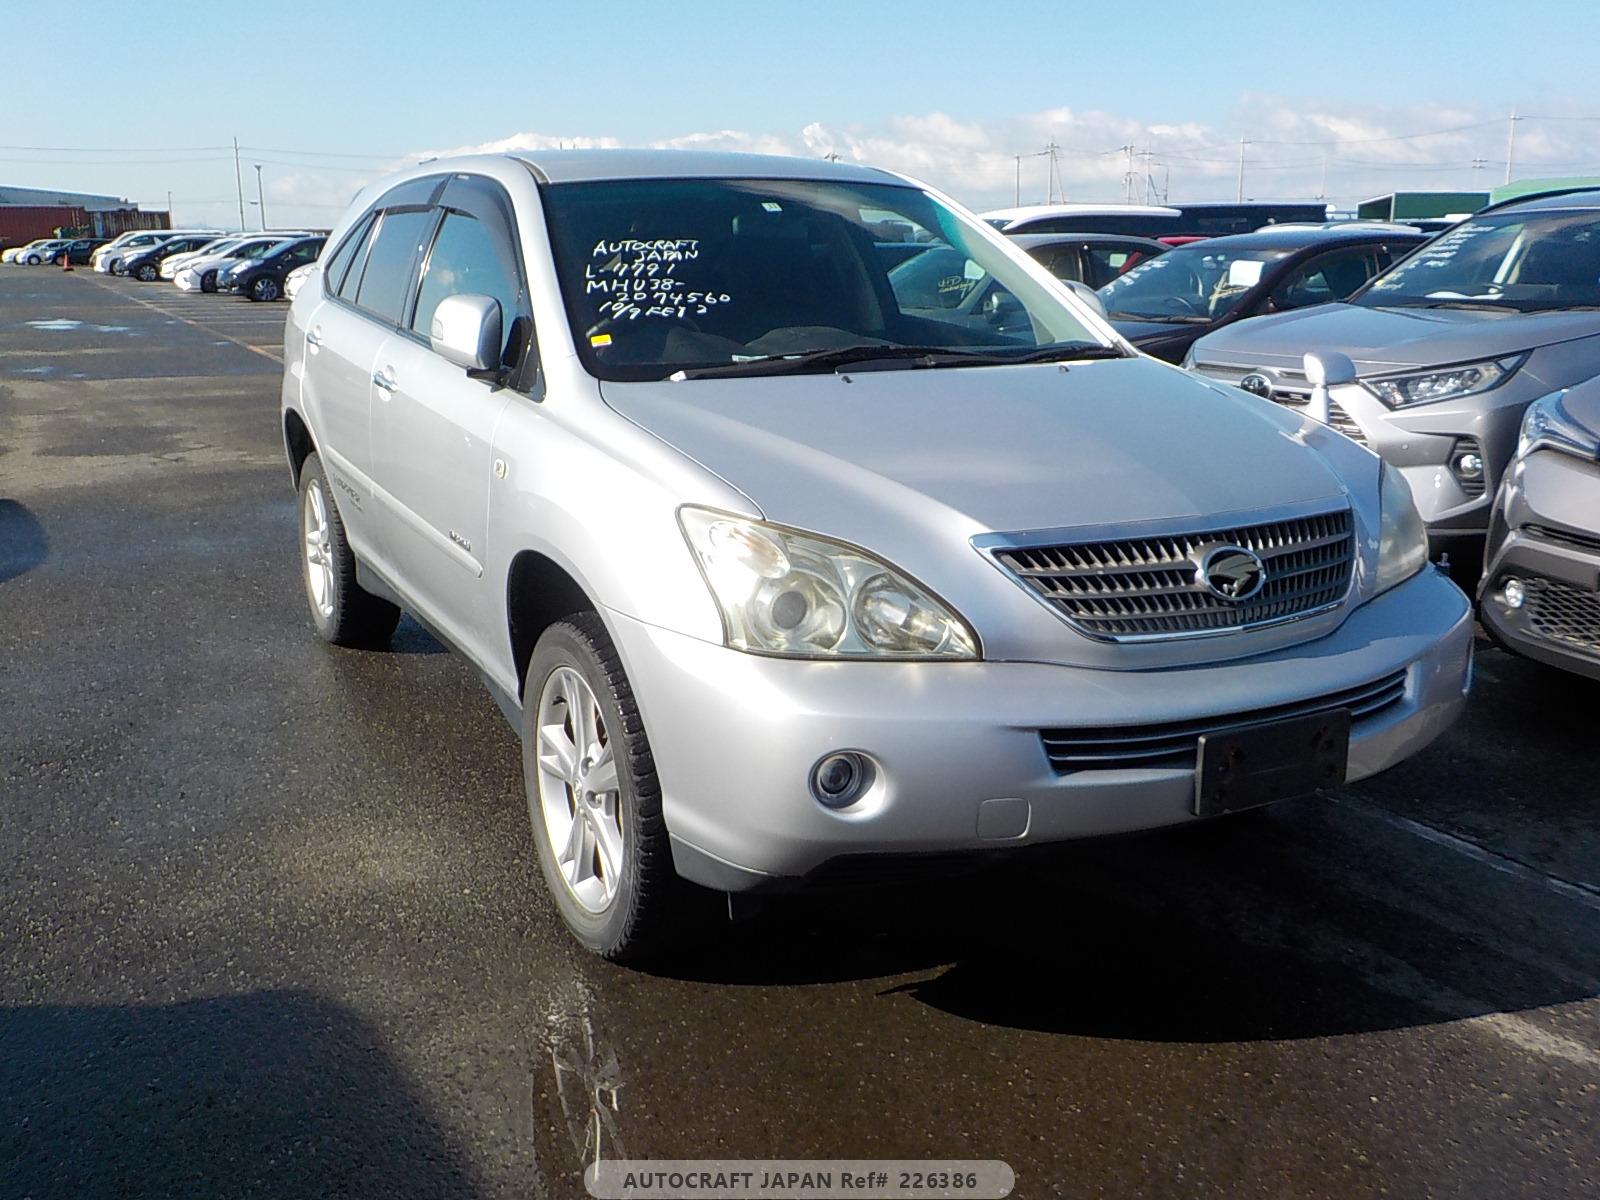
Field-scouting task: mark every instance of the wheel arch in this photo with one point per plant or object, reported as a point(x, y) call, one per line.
point(539, 592)
point(298, 443)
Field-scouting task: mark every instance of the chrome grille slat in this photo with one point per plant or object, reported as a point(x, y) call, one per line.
point(1146, 587)
point(1294, 396)
point(1177, 743)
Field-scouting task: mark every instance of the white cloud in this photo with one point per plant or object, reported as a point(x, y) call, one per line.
point(977, 160)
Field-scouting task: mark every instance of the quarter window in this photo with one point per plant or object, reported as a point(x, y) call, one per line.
point(466, 260)
point(340, 262)
point(387, 276)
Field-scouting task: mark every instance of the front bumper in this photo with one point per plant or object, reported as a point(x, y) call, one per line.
point(735, 736)
point(1546, 534)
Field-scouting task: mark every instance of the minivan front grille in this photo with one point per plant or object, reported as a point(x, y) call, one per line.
point(1175, 744)
point(1150, 587)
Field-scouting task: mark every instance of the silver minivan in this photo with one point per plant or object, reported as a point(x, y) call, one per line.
point(787, 579)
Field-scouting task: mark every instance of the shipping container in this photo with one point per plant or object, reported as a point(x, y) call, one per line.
point(20, 224)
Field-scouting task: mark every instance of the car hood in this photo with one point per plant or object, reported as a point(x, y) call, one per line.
point(1388, 338)
point(996, 449)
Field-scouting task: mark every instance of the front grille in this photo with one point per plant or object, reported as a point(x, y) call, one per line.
point(1567, 537)
point(1150, 587)
point(1176, 744)
point(1297, 396)
point(1563, 612)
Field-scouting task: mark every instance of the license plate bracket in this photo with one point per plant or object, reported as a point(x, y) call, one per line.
point(1260, 764)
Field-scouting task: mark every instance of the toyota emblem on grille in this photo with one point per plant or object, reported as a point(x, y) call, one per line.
point(1257, 384)
point(1233, 572)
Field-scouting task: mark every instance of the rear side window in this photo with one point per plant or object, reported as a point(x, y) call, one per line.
point(466, 259)
point(339, 263)
point(387, 276)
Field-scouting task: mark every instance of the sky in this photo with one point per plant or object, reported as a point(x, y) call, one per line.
point(1343, 100)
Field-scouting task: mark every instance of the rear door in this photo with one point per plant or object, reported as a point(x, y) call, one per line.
point(434, 425)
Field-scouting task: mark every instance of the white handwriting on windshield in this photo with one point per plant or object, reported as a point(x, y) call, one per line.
point(639, 278)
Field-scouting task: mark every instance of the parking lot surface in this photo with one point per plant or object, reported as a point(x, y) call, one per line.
point(271, 922)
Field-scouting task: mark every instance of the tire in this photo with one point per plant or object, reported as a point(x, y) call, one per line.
point(33, 260)
point(148, 274)
point(208, 282)
point(265, 288)
point(636, 921)
point(342, 611)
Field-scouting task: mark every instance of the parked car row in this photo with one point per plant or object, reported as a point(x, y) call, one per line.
point(257, 265)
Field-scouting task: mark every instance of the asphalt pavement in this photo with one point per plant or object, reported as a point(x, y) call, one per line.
point(270, 922)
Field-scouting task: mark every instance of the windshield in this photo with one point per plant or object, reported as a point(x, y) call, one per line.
point(1521, 262)
point(663, 275)
point(1197, 283)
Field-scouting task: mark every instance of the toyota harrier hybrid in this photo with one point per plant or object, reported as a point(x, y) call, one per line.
point(1449, 346)
point(785, 580)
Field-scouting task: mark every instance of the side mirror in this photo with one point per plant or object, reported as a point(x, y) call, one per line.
point(1329, 369)
point(1087, 294)
point(466, 331)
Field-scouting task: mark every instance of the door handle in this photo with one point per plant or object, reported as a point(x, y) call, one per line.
point(383, 381)
point(314, 338)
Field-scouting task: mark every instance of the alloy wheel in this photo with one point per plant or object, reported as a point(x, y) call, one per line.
point(580, 797)
point(318, 550)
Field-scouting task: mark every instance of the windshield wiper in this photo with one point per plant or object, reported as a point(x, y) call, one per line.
point(1160, 318)
point(911, 356)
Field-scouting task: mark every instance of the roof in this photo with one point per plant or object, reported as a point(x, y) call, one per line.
point(1030, 211)
point(574, 166)
point(1029, 240)
point(1301, 237)
point(26, 197)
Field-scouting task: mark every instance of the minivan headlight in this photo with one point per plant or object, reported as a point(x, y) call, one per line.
point(1548, 426)
point(1428, 387)
point(1402, 537)
point(789, 593)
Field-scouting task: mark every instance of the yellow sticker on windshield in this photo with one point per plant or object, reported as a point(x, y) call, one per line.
point(600, 339)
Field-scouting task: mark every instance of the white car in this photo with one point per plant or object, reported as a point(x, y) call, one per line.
point(1143, 220)
point(16, 252)
point(174, 262)
point(200, 274)
point(296, 277)
point(36, 253)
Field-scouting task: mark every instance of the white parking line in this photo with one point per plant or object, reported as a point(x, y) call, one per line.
point(178, 316)
point(1579, 893)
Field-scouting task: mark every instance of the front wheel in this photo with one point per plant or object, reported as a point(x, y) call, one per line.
point(594, 797)
point(342, 611)
point(147, 274)
point(33, 260)
point(265, 288)
point(208, 282)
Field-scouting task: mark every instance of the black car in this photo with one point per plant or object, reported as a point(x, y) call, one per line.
point(1092, 258)
point(79, 251)
point(145, 265)
point(262, 278)
point(1163, 306)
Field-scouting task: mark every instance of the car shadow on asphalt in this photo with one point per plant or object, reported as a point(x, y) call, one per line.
point(411, 638)
point(23, 545)
point(273, 1093)
point(1240, 930)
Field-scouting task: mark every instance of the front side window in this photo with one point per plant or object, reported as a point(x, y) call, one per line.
point(672, 274)
point(1188, 284)
point(1523, 262)
point(387, 275)
point(1327, 279)
point(466, 260)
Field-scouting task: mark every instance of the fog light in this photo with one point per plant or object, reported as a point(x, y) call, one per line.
point(839, 780)
point(1513, 593)
point(1468, 465)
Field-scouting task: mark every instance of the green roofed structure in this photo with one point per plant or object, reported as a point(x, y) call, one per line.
point(1528, 187)
point(1421, 206)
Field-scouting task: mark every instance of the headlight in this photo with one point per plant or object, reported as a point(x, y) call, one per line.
point(1547, 425)
point(1402, 538)
point(788, 593)
point(1427, 387)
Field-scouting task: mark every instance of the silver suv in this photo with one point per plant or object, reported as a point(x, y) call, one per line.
point(786, 578)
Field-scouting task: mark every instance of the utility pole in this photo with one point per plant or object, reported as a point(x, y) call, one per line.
point(261, 200)
point(1242, 144)
point(1149, 179)
point(1127, 176)
point(1511, 143)
point(1053, 150)
point(238, 182)
point(1018, 157)
point(169, 206)
point(1322, 193)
